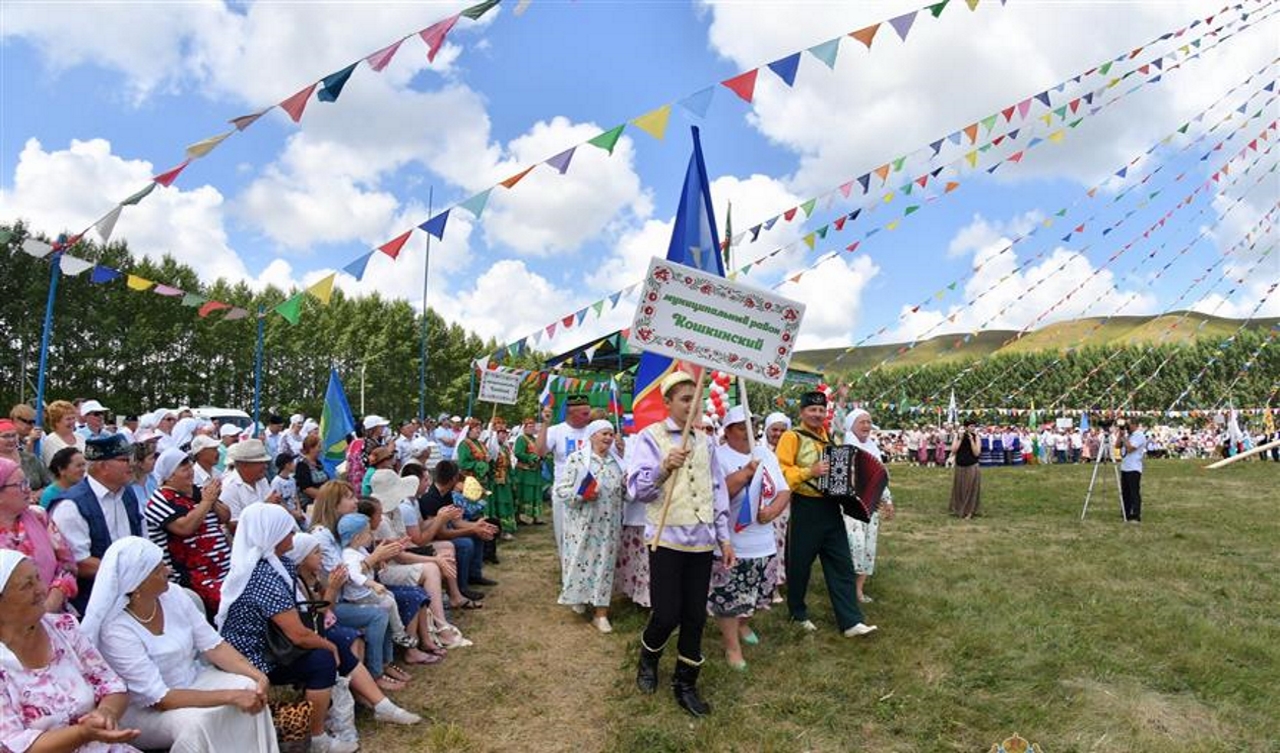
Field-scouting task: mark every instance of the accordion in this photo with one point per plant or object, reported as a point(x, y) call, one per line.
point(856, 480)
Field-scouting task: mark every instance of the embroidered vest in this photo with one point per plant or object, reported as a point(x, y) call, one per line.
point(692, 502)
point(808, 452)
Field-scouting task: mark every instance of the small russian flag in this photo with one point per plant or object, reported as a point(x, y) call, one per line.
point(587, 488)
point(744, 513)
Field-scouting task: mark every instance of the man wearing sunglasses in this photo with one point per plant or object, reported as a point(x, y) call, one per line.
point(94, 415)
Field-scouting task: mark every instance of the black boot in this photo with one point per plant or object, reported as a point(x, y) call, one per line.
point(685, 684)
point(490, 548)
point(647, 673)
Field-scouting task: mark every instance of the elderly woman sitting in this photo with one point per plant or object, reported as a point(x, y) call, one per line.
point(29, 531)
point(56, 692)
point(153, 636)
point(261, 589)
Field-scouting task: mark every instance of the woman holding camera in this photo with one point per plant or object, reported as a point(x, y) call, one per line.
point(966, 487)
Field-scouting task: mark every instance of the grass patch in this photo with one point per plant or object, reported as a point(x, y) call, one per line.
point(1081, 636)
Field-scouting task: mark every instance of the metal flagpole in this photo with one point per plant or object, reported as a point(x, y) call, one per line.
point(45, 335)
point(422, 370)
point(257, 367)
point(471, 389)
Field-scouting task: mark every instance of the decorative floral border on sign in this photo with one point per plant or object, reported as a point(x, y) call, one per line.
point(665, 275)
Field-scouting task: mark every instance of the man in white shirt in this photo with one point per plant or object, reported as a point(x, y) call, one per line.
point(561, 440)
point(204, 456)
point(446, 435)
point(94, 415)
point(1134, 447)
point(273, 437)
point(98, 510)
point(291, 441)
point(246, 482)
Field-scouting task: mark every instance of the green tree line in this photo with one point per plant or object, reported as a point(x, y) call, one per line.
point(136, 351)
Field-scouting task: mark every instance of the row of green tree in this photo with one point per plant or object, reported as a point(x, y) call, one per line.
point(136, 351)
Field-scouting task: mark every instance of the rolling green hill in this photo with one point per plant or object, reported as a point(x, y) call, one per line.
point(1075, 333)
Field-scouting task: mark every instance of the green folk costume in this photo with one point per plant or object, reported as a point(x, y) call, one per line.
point(503, 501)
point(528, 478)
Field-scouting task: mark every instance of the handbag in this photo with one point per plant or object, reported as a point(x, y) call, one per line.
point(283, 651)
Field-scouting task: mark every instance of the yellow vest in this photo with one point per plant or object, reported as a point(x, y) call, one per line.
point(809, 452)
point(692, 500)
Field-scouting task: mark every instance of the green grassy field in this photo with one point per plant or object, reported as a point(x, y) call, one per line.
point(1081, 636)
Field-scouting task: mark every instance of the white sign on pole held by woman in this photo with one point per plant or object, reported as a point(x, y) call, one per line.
point(702, 318)
point(499, 387)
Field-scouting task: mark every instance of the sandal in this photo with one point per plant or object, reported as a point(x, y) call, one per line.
point(414, 656)
point(397, 674)
point(389, 683)
point(470, 604)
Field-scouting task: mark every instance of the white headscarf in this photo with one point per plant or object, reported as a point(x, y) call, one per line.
point(9, 560)
point(869, 444)
point(183, 432)
point(262, 527)
point(127, 562)
point(597, 426)
point(167, 463)
point(303, 544)
point(776, 418)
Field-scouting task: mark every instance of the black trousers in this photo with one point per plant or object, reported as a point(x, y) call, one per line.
point(816, 531)
point(1131, 494)
point(678, 587)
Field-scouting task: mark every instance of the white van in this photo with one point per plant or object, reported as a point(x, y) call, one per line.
point(224, 415)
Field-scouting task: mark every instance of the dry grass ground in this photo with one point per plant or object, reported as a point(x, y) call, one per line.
point(1086, 636)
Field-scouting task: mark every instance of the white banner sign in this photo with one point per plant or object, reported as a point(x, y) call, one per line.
point(702, 318)
point(499, 387)
point(1064, 423)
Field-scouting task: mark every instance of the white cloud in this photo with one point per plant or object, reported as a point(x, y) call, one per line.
point(63, 190)
point(832, 294)
point(549, 213)
point(899, 97)
point(509, 286)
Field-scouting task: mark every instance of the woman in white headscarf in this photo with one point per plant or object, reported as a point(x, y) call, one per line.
point(591, 492)
point(56, 691)
point(862, 536)
point(153, 637)
point(774, 426)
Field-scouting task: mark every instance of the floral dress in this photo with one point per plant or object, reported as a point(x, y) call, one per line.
point(34, 701)
point(37, 536)
point(591, 529)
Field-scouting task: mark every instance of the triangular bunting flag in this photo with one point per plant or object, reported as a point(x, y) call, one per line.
point(167, 178)
point(137, 283)
point(211, 307)
point(331, 85)
point(972, 132)
point(435, 225)
point(479, 9)
point(808, 207)
point(755, 233)
point(826, 52)
point(839, 223)
point(323, 289)
point(201, 148)
point(392, 247)
point(475, 205)
point(845, 188)
point(514, 179)
point(234, 314)
point(852, 246)
point(598, 307)
point(699, 102)
point(822, 231)
point(291, 309)
point(743, 84)
point(937, 8)
point(613, 299)
point(809, 240)
point(379, 60)
point(107, 224)
point(1043, 97)
point(297, 103)
point(165, 290)
point(1057, 136)
point(191, 299)
point(582, 314)
point(864, 180)
point(790, 214)
point(73, 266)
point(434, 36)
point(654, 122)
point(902, 24)
point(786, 68)
point(883, 173)
point(866, 34)
point(972, 158)
point(103, 274)
point(989, 122)
point(608, 139)
point(139, 196)
point(910, 210)
point(244, 121)
point(973, 4)
point(357, 267)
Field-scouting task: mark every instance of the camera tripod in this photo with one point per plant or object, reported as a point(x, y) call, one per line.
point(1106, 448)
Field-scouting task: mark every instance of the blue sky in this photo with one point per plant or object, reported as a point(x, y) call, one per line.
point(98, 97)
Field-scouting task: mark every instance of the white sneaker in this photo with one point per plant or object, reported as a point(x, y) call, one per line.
point(859, 629)
point(602, 624)
point(395, 715)
point(808, 626)
point(579, 608)
point(327, 744)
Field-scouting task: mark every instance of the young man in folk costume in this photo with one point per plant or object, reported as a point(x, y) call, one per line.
point(528, 475)
point(696, 525)
point(817, 525)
